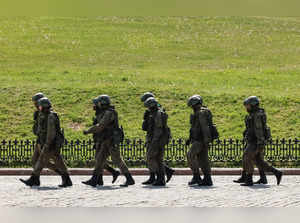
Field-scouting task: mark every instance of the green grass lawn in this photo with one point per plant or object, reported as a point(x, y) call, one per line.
point(224, 59)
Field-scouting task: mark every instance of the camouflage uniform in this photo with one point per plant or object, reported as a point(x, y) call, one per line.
point(98, 138)
point(255, 136)
point(38, 148)
point(200, 137)
point(107, 121)
point(47, 131)
point(156, 139)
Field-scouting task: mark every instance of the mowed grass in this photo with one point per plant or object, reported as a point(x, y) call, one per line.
point(224, 59)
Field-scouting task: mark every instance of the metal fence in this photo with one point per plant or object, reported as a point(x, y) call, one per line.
point(226, 153)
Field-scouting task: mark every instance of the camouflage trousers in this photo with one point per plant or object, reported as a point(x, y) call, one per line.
point(49, 157)
point(36, 155)
point(108, 149)
point(197, 157)
point(255, 155)
point(98, 147)
point(155, 157)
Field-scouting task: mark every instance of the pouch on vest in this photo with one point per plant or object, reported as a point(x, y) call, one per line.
point(118, 135)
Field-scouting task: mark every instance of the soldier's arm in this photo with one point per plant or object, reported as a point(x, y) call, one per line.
point(158, 126)
point(106, 120)
point(204, 127)
point(259, 129)
point(51, 130)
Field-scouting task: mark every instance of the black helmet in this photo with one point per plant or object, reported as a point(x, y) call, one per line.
point(252, 100)
point(95, 101)
point(44, 102)
point(150, 102)
point(146, 95)
point(104, 99)
point(37, 96)
point(194, 100)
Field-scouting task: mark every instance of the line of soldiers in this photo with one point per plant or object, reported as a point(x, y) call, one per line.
point(107, 135)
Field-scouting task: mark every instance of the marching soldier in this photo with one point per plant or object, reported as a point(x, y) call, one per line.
point(51, 140)
point(200, 137)
point(37, 147)
point(111, 136)
point(169, 172)
point(158, 135)
point(97, 142)
point(256, 134)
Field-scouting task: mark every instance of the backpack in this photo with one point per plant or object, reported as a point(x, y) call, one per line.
point(60, 136)
point(167, 130)
point(267, 130)
point(212, 127)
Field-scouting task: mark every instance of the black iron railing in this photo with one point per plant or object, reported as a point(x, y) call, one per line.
point(225, 153)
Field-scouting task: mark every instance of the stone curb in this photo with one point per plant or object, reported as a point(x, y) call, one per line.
point(137, 171)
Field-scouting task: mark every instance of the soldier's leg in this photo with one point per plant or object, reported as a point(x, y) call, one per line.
point(193, 162)
point(101, 159)
point(118, 161)
point(36, 154)
point(205, 166)
point(107, 167)
point(265, 167)
point(168, 171)
point(151, 179)
point(152, 157)
point(262, 175)
point(42, 161)
point(160, 181)
point(62, 168)
point(248, 163)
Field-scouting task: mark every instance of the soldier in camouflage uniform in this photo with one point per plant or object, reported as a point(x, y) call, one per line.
point(256, 135)
point(111, 134)
point(51, 140)
point(37, 147)
point(158, 135)
point(98, 138)
point(169, 172)
point(200, 137)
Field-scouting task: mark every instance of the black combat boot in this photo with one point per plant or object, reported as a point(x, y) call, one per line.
point(100, 180)
point(93, 181)
point(114, 173)
point(66, 181)
point(195, 180)
point(160, 181)
point(242, 179)
point(278, 175)
point(32, 181)
point(249, 180)
point(263, 178)
point(207, 181)
point(151, 179)
point(169, 173)
point(129, 180)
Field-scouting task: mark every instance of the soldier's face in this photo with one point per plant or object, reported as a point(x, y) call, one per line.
point(248, 108)
point(40, 108)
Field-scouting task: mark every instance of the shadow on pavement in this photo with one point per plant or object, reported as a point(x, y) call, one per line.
point(109, 188)
point(155, 187)
point(196, 187)
point(46, 188)
point(260, 186)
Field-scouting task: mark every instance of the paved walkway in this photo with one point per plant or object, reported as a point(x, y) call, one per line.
point(224, 193)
